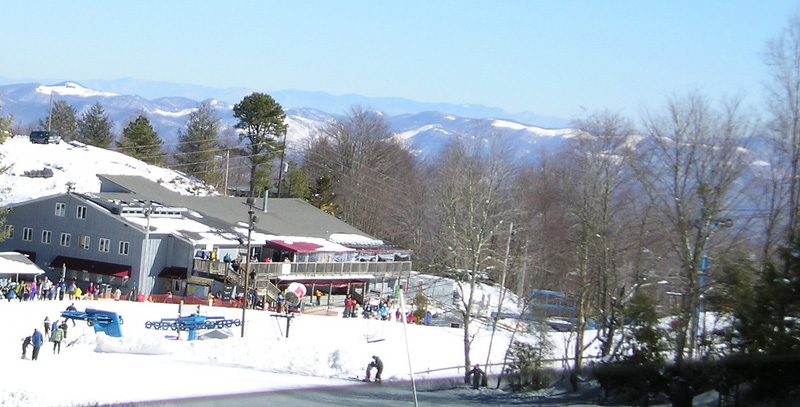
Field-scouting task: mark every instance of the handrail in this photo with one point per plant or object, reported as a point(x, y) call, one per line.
point(458, 368)
point(312, 269)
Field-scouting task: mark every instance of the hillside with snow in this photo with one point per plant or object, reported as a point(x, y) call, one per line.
point(37, 170)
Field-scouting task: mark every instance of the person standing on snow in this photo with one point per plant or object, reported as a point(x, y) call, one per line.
point(348, 307)
point(384, 312)
point(377, 363)
point(37, 341)
point(58, 336)
point(53, 328)
point(71, 290)
point(47, 327)
point(71, 307)
point(63, 326)
point(32, 292)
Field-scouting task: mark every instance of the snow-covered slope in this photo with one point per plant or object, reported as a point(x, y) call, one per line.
point(36, 170)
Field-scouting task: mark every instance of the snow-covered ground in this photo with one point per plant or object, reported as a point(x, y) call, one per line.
point(149, 365)
point(321, 352)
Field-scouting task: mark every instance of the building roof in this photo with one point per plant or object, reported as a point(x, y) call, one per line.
point(275, 217)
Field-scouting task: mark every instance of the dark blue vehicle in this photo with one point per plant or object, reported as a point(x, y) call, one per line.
point(44, 137)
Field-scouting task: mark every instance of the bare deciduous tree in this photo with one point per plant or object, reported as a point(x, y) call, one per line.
point(596, 189)
point(688, 169)
point(370, 171)
point(473, 206)
point(782, 58)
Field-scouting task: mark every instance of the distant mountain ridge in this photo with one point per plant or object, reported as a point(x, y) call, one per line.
point(334, 104)
point(423, 131)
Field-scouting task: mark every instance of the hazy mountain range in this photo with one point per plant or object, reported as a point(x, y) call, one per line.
point(425, 127)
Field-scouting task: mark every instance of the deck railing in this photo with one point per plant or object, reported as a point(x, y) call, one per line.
point(264, 272)
point(276, 270)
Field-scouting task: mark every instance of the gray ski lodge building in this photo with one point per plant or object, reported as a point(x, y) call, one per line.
point(145, 239)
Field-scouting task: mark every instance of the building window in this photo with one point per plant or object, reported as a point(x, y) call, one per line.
point(81, 214)
point(9, 231)
point(124, 247)
point(47, 236)
point(61, 209)
point(27, 234)
point(65, 238)
point(105, 245)
point(83, 242)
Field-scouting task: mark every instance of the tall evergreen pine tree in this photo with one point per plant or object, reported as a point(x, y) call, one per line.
point(262, 121)
point(140, 141)
point(198, 145)
point(94, 127)
point(62, 120)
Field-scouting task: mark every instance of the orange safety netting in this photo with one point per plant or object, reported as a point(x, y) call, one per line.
point(176, 299)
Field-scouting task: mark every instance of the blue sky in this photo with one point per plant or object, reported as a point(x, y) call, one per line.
point(552, 58)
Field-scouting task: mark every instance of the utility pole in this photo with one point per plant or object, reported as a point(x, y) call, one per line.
point(251, 221)
point(50, 112)
point(145, 264)
point(699, 321)
point(227, 169)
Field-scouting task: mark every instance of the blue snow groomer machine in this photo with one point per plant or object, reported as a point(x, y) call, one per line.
point(102, 321)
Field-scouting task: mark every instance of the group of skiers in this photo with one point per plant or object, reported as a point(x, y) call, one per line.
point(55, 332)
point(44, 289)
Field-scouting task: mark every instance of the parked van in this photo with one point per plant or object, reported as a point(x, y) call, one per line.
point(44, 137)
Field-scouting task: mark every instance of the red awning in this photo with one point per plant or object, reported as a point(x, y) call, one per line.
point(175, 273)
point(92, 266)
point(290, 246)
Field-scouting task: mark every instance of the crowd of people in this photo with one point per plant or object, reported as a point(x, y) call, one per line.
point(374, 308)
point(43, 289)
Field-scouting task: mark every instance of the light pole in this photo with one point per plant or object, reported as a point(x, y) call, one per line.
point(145, 268)
point(251, 221)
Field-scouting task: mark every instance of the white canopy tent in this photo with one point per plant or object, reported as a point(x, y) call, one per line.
point(13, 264)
